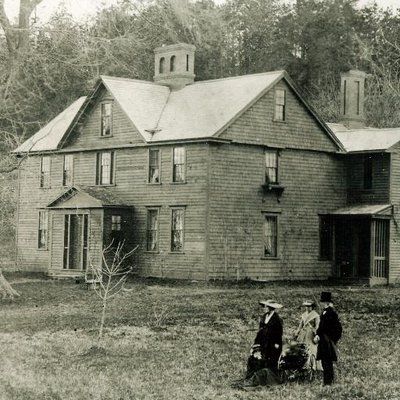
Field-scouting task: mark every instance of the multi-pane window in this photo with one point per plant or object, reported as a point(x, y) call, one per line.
point(325, 237)
point(68, 168)
point(280, 105)
point(154, 166)
point(270, 235)
point(177, 225)
point(152, 230)
point(42, 230)
point(271, 166)
point(367, 181)
point(178, 169)
point(105, 168)
point(45, 171)
point(106, 119)
point(116, 230)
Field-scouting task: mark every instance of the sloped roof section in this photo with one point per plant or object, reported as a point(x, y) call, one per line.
point(201, 110)
point(365, 209)
point(86, 197)
point(366, 139)
point(51, 134)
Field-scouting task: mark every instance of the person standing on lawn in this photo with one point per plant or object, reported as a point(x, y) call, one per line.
point(306, 332)
point(329, 332)
point(268, 342)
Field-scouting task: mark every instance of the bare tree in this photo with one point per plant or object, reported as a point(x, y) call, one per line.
point(109, 278)
point(6, 289)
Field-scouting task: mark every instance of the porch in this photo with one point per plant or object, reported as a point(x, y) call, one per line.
point(360, 243)
point(82, 222)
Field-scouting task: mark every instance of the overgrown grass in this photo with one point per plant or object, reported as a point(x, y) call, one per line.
point(182, 341)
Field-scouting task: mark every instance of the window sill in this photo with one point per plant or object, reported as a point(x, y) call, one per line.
point(176, 252)
point(270, 258)
point(178, 183)
point(279, 121)
point(105, 136)
point(105, 185)
point(152, 251)
point(154, 183)
point(43, 249)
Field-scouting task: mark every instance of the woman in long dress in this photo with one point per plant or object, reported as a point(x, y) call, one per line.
point(306, 332)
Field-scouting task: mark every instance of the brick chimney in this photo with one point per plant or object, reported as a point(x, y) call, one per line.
point(174, 65)
point(352, 99)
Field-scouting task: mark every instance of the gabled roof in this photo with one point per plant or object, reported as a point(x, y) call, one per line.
point(197, 111)
point(366, 139)
point(86, 197)
point(51, 134)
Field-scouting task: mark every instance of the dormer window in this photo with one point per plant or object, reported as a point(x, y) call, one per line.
point(161, 67)
point(106, 119)
point(280, 105)
point(172, 64)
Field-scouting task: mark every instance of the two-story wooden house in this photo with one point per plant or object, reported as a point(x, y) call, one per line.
point(221, 179)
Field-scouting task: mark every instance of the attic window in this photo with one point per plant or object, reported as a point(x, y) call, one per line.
point(172, 63)
point(280, 105)
point(106, 119)
point(161, 66)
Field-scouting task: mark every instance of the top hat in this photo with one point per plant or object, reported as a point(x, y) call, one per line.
point(326, 297)
point(270, 303)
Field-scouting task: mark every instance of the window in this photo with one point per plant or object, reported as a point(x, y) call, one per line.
point(152, 230)
point(358, 97)
point(325, 238)
point(280, 105)
point(344, 96)
point(106, 119)
point(154, 166)
point(178, 169)
point(270, 236)
point(68, 169)
point(177, 223)
point(367, 184)
point(45, 171)
point(187, 62)
point(42, 230)
point(105, 168)
point(271, 166)
point(172, 63)
point(161, 66)
point(116, 230)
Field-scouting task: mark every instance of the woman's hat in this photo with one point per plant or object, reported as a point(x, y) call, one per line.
point(270, 303)
point(326, 297)
point(308, 303)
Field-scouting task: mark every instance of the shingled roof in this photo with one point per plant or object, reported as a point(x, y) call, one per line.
point(197, 111)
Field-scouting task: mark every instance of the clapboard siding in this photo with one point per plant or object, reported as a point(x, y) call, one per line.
point(132, 187)
point(394, 255)
point(380, 191)
point(314, 183)
point(300, 130)
point(88, 136)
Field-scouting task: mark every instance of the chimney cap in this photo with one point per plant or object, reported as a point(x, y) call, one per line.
point(176, 46)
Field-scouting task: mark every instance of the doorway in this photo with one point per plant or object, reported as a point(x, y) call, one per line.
point(76, 241)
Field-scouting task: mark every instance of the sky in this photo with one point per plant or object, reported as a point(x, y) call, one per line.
point(83, 9)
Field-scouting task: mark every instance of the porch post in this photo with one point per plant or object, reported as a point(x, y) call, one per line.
point(372, 249)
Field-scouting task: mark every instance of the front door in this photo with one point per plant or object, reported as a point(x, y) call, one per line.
point(75, 241)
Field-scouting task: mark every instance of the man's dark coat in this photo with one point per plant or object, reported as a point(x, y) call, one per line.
point(269, 337)
point(329, 332)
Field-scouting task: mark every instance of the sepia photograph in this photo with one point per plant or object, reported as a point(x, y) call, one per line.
point(199, 199)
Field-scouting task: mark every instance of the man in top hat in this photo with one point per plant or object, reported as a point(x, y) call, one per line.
point(328, 333)
point(268, 341)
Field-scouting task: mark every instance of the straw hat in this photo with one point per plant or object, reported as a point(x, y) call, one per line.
point(270, 303)
point(308, 303)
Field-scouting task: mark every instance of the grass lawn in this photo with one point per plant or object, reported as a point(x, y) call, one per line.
point(181, 341)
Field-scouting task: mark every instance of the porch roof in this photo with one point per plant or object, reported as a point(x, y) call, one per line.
point(87, 197)
point(364, 209)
